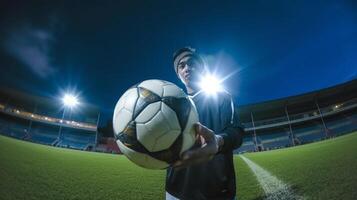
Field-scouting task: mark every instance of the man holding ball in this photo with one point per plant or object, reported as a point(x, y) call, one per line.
point(205, 171)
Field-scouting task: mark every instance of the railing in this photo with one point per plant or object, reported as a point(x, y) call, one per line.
point(283, 120)
point(50, 120)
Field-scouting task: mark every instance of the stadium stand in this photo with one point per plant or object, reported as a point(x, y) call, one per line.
point(248, 145)
point(43, 121)
point(309, 132)
point(77, 139)
point(43, 133)
point(13, 127)
point(300, 119)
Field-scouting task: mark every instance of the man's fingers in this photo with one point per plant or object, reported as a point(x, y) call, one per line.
point(203, 131)
point(207, 149)
point(196, 153)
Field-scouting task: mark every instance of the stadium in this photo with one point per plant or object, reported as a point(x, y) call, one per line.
point(298, 147)
point(190, 100)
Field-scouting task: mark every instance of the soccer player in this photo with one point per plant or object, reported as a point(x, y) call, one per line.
point(206, 171)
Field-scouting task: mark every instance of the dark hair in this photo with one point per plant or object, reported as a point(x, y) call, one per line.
point(184, 49)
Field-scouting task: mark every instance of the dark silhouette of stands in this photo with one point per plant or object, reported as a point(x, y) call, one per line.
point(300, 119)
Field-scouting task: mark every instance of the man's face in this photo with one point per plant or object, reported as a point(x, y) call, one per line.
point(189, 69)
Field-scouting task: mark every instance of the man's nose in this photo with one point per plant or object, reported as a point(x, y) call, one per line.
point(187, 68)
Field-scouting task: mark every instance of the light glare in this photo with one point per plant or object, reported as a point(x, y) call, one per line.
point(210, 84)
point(70, 100)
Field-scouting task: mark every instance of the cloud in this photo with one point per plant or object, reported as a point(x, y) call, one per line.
point(32, 47)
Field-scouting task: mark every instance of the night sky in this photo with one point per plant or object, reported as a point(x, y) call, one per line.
point(100, 48)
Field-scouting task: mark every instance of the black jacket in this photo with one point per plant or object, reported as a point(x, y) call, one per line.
point(214, 179)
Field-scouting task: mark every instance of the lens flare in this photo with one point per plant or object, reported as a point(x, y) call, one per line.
point(210, 84)
point(70, 100)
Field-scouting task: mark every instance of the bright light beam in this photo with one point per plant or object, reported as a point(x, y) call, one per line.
point(70, 100)
point(210, 84)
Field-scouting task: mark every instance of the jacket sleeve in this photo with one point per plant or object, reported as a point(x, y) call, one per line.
point(233, 131)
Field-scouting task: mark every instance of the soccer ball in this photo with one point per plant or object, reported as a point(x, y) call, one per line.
point(153, 123)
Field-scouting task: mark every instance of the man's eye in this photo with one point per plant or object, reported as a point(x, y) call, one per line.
point(181, 65)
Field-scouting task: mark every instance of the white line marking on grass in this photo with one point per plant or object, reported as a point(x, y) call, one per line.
point(274, 188)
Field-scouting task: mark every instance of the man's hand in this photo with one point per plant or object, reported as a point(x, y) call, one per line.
point(209, 146)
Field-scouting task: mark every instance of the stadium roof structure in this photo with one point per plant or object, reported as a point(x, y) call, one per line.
point(86, 116)
point(11, 94)
point(299, 103)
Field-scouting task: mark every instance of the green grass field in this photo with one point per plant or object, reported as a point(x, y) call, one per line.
point(323, 170)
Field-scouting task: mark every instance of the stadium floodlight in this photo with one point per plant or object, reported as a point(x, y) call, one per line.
point(70, 100)
point(210, 84)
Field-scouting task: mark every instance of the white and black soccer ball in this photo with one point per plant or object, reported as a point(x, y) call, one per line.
point(153, 123)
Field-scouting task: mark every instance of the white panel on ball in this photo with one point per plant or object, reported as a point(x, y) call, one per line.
point(148, 113)
point(130, 99)
point(172, 90)
point(170, 117)
point(166, 140)
point(123, 111)
point(154, 86)
point(141, 159)
point(149, 132)
point(122, 120)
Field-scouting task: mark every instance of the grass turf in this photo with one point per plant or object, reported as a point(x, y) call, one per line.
point(323, 170)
